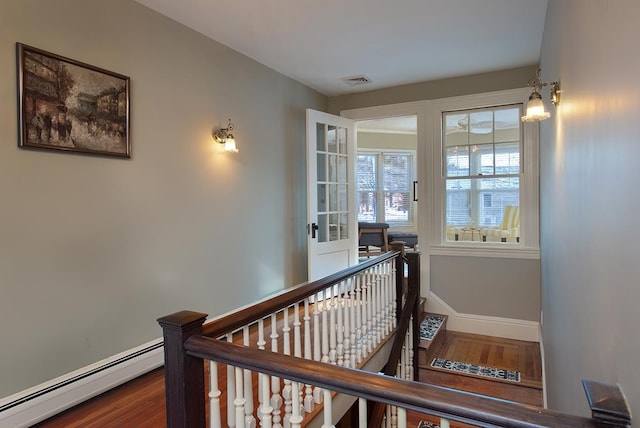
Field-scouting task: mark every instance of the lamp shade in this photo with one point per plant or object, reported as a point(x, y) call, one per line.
point(535, 109)
point(230, 144)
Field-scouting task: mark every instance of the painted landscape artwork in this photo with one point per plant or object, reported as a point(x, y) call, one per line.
point(71, 106)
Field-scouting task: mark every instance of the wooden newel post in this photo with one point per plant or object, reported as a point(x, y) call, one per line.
point(413, 281)
point(184, 375)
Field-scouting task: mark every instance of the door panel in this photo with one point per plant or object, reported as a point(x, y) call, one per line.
point(331, 224)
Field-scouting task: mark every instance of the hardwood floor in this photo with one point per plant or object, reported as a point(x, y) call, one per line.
point(138, 403)
point(507, 354)
point(489, 351)
point(141, 402)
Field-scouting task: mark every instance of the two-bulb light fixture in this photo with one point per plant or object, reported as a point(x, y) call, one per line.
point(535, 106)
point(224, 136)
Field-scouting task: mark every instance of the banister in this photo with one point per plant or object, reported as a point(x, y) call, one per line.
point(230, 322)
point(442, 402)
point(404, 323)
point(607, 402)
point(185, 346)
point(183, 373)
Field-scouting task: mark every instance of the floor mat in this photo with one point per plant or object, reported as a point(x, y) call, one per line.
point(430, 326)
point(473, 369)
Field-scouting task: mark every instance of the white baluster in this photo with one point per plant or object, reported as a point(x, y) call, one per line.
point(249, 420)
point(296, 417)
point(357, 342)
point(214, 396)
point(325, 330)
point(392, 416)
point(386, 323)
point(309, 405)
point(402, 417)
point(369, 311)
point(351, 331)
point(339, 329)
point(372, 309)
point(317, 355)
point(402, 362)
point(362, 412)
point(297, 345)
point(276, 398)
point(286, 391)
point(297, 338)
point(332, 325)
point(444, 423)
point(346, 328)
point(394, 295)
point(382, 279)
point(382, 304)
point(388, 313)
point(328, 416)
point(265, 410)
point(407, 350)
point(379, 306)
point(261, 345)
point(239, 401)
point(231, 390)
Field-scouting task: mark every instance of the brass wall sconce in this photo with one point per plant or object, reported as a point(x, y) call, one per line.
point(535, 106)
point(224, 136)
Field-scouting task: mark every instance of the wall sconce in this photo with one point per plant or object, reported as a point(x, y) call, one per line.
point(224, 136)
point(535, 106)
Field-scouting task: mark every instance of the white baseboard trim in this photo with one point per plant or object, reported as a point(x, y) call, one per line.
point(47, 399)
point(479, 324)
point(544, 372)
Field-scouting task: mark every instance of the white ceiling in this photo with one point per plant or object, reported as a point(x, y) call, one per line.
point(391, 42)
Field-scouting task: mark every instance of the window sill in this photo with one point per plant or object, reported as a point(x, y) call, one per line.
point(485, 250)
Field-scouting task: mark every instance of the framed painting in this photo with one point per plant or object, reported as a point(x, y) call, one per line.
point(71, 106)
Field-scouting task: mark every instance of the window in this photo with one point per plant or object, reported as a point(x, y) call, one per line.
point(483, 168)
point(384, 187)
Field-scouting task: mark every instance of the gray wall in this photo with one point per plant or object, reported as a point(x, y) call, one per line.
point(93, 250)
point(497, 287)
point(434, 89)
point(589, 205)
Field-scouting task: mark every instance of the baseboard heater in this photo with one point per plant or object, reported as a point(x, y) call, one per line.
point(50, 398)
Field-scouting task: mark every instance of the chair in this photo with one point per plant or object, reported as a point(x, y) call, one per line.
point(409, 239)
point(374, 235)
point(509, 230)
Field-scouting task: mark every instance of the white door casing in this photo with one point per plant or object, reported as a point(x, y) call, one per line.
point(332, 228)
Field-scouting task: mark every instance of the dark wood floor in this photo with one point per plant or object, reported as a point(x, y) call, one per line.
point(140, 402)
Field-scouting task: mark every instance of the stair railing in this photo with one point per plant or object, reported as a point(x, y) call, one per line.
point(342, 320)
point(361, 300)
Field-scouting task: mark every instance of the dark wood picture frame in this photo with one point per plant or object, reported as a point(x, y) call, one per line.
point(67, 105)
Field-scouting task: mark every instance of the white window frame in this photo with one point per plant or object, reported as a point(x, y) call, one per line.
point(379, 153)
point(529, 245)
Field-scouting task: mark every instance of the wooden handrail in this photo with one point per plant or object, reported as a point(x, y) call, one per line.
point(424, 398)
point(377, 410)
point(230, 322)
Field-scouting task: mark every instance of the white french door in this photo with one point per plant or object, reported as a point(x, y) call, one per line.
point(332, 228)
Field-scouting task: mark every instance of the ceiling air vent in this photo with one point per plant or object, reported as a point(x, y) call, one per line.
point(357, 80)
